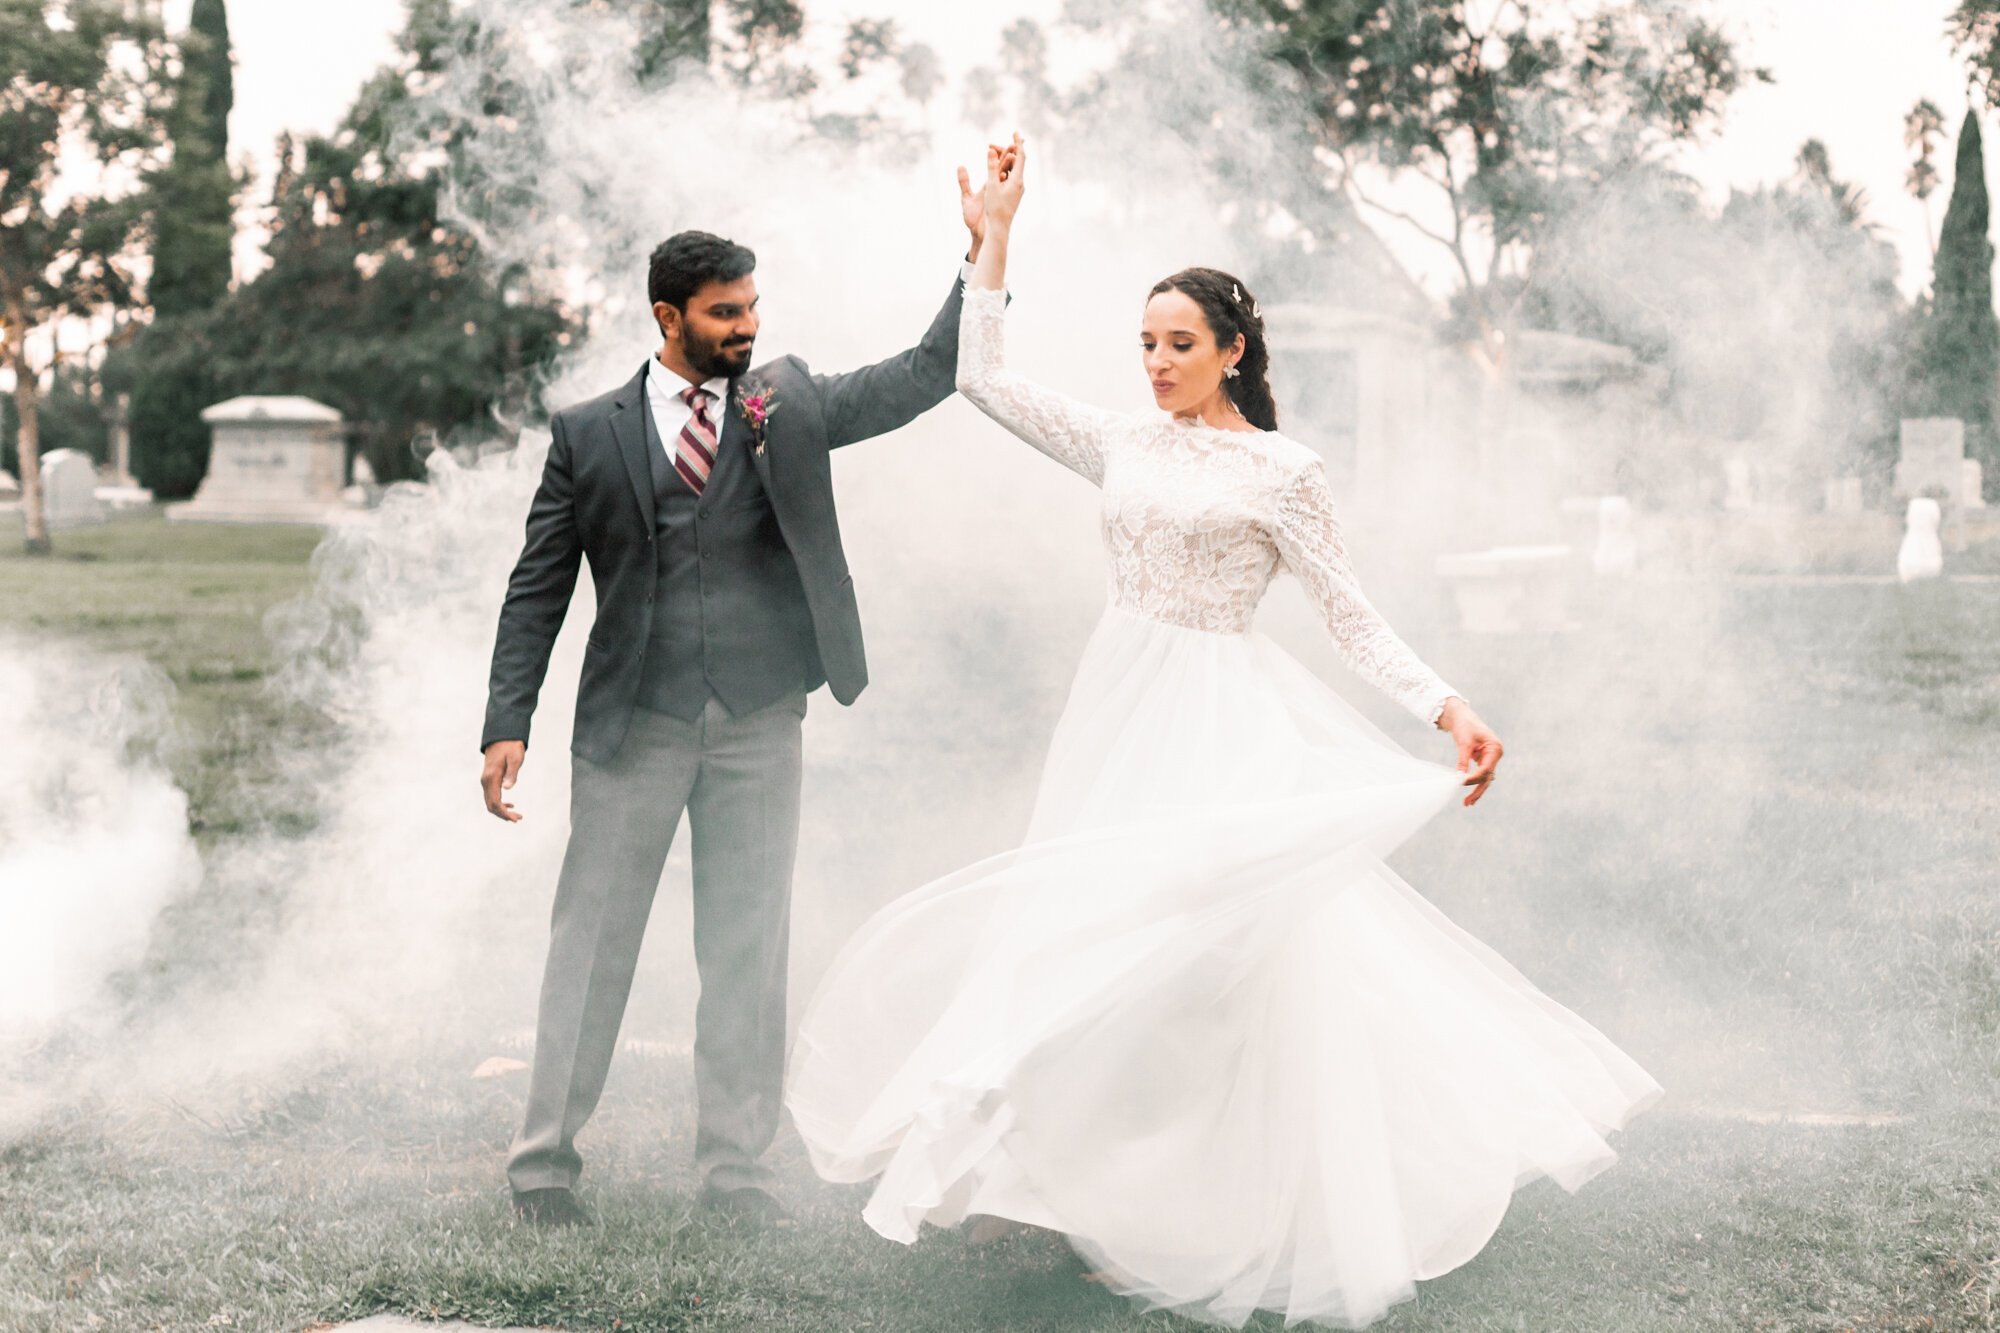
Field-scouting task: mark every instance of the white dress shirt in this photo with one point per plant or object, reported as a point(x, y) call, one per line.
point(664, 388)
point(670, 414)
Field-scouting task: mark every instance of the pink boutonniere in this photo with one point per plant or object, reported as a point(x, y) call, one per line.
point(757, 405)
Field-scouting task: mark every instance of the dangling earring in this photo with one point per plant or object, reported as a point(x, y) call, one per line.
point(1230, 372)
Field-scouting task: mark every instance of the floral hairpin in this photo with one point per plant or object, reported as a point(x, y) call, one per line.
point(1256, 311)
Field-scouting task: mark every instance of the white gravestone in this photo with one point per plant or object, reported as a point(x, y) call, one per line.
point(1972, 491)
point(1506, 589)
point(1736, 472)
point(10, 489)
point(275, 460)
point(1932, 460)
point(1617, 549)
point(1921, 555)
point(69, 489)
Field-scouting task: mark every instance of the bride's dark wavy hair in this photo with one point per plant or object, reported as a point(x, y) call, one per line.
point(1230, 309)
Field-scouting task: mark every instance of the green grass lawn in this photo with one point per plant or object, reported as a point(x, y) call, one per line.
point(1777, 881)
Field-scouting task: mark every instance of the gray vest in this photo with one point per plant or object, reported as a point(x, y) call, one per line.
point(729, 613)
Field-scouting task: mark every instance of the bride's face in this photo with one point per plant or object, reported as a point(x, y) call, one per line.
point(1182, 358)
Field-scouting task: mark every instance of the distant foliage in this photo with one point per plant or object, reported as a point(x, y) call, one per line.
point(1958, 365)
point(194, 234)
point(1514, 113)
point(82, 89)
point(371, 303)
point(194, 228)
point(379, 299)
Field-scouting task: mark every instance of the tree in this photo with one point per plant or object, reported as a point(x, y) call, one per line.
point(1922, 128)
point(195, 227)
point(193, 209)
point(82, 96)
point(1958, 368)
point(1514, 114)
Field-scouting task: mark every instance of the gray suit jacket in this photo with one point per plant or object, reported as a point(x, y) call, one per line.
point(595, 503)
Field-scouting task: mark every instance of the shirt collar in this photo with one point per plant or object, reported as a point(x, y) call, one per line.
point(672, 385)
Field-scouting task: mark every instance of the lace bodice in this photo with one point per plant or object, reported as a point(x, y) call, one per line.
point(1197, 520)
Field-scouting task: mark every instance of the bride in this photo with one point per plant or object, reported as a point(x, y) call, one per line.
point(1194, 1023)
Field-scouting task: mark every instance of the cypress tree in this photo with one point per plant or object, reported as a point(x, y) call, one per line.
point(1961, 353)
point(196, 229)
point(194, 235)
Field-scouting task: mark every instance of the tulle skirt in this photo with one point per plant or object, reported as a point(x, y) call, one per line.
point(1193, 1022)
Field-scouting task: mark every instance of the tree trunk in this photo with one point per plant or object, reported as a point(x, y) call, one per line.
point(27, 408)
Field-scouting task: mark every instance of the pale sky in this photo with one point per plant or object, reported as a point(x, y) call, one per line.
point(1847, 72)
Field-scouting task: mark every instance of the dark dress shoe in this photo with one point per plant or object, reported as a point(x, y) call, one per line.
point(549, 1208)
point(750, 1205)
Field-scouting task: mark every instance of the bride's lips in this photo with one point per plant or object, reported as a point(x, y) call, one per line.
point(1163, 387)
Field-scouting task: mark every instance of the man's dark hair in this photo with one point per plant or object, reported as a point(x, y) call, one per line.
point(687, 260)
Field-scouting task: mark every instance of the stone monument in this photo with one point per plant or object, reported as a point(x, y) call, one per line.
point(1508, 589)
point(1843, 495)
point(1921, 555)
point(69, 489)
point(275, 460)
point(118, 488)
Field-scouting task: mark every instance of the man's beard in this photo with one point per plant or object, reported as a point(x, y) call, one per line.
point(715, 360)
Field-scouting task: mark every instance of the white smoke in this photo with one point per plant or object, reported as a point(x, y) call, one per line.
point(410, 913)
point(93, 832)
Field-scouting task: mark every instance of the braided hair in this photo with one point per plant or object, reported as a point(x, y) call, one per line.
point(1230, 309)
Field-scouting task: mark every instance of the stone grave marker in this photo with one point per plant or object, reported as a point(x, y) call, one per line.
point(275, 460)
point(69, 489)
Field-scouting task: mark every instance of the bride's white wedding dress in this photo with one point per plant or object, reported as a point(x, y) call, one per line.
point(1193, 1022)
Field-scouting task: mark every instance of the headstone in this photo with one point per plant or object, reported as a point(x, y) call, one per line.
point(1921, 555)
point(69, 489)
point(364, 473)
point(1507, 589)
point(1617, 550)
point(1932, 460)
point(1736, 472)
point(1843, 495)
point(10, 489)
point(120, 422)
point(275, 460)
point(1972, 491)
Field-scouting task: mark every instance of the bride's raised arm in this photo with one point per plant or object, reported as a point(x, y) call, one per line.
point(1070, 432)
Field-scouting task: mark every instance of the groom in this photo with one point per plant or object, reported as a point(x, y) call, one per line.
point(700, 493)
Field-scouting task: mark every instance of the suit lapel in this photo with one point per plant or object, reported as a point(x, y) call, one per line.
point(628, 428)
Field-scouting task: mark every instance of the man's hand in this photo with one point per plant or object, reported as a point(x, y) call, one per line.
point(503, 765)
point(1479, 750)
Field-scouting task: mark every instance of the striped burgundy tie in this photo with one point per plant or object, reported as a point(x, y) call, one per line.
point(694, 451)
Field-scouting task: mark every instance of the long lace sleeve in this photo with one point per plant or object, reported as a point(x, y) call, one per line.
point(1070, 432)
point(1309, 541)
